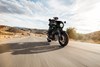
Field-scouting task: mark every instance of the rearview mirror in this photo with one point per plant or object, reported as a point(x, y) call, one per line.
point(49, 19)
point(64, 21)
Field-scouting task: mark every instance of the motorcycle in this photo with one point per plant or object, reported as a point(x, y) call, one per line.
point(58, 34)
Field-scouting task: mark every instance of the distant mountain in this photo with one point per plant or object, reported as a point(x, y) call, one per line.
point(95, 36)
point(36, 31)
point(9, 29)
point(4, 28)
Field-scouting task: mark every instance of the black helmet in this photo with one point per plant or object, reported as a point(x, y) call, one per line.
point(55, 18)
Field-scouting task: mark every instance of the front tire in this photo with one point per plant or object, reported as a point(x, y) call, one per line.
point(64, 39)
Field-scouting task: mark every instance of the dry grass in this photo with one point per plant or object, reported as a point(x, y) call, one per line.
point(7, 32)
point(93, 37)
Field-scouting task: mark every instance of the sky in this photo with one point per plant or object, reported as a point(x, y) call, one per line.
point(84, 15)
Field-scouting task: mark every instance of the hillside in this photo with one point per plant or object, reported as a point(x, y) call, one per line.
point(6, 30)
point(35, 31)
point(10, 32)
point(95, 36)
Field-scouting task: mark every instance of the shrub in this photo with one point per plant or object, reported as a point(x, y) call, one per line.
point(71, 32)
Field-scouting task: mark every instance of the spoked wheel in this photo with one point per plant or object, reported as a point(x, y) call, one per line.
point(63, 40)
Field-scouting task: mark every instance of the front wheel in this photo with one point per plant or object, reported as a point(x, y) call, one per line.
point(63, 39)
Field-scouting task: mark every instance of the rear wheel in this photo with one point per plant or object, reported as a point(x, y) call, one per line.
point(64, 39)
point(49, 40)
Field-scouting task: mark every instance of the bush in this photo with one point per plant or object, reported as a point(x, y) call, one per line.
point(72, 33)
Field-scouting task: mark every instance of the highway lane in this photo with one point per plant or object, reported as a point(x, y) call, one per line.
point(37, 52)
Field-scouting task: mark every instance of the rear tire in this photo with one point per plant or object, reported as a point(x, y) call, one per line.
point(49, 40)
point(64, 39)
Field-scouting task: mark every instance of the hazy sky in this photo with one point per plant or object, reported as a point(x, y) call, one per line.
point(84, 15)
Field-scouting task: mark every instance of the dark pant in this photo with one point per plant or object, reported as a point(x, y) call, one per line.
point(49, 32)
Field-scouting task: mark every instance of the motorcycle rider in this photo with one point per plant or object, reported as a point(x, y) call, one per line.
point(51, 23)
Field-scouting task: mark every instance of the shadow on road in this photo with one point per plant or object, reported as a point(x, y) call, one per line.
point(28, 48)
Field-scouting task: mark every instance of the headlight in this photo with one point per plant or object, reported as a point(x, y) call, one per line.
point(61, 25)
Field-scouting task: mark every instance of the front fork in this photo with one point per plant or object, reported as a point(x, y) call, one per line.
point(59, 34)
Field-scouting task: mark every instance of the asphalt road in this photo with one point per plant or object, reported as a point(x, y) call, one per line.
point(36, 52)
